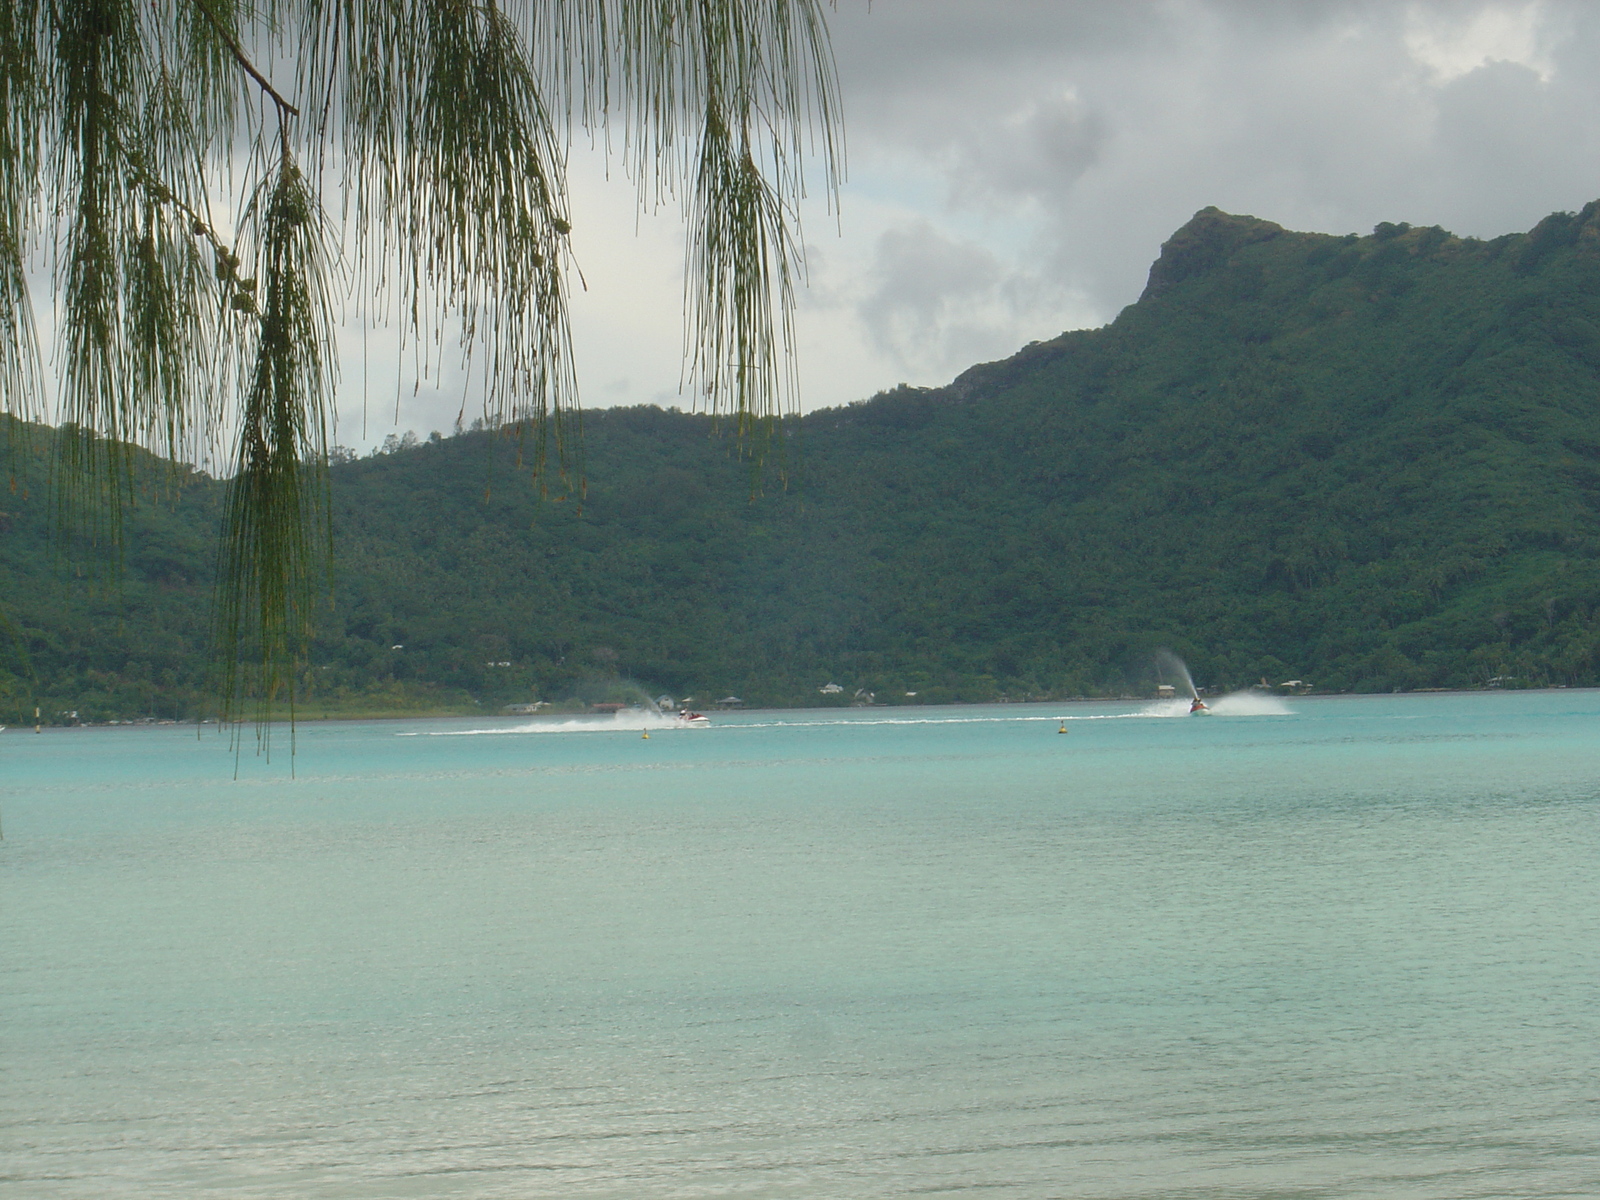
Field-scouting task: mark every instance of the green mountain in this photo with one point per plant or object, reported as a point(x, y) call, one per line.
point(1370, 462)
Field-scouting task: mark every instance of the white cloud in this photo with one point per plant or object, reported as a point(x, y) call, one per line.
point(1450, 42)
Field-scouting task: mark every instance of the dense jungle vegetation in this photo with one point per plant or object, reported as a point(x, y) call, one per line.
point(1371, 463)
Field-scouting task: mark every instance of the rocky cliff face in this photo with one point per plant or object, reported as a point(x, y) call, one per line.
point(1208, 241)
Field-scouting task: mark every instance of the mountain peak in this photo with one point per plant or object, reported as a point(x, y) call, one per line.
point(1208, 240)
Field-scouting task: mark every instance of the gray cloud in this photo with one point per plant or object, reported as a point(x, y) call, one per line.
point(944, 303)
point(1080, 135)
point(1015, 166)
point(1041, 150)
point(926, 290)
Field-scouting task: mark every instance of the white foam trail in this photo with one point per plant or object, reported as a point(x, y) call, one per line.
point(840, 722)
point(629, 720)
point(1250, 703)
point(1165, 708)
point(647, 721)
point(843, 723)
point(1239, 704)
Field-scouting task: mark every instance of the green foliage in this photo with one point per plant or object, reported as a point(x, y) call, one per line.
point(274, 520)
point(395, 156)
point(1371, 463)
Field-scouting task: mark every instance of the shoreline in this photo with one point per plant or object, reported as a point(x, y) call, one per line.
point(455, 714)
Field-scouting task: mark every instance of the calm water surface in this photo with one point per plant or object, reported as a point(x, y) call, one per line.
point(1352, 950)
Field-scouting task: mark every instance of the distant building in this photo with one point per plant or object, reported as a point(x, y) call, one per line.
point(1165, 691)
point(730, 702)
point(830, 689)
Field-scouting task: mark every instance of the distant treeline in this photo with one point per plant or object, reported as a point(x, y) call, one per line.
point(1371, 463)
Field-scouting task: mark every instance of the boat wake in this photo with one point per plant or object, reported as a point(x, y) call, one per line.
point(627, 721)
point(1238, 704)
point(1248, 703)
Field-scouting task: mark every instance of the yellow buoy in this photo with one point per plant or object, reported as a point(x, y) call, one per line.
point(647, 735)
point(1063, 728)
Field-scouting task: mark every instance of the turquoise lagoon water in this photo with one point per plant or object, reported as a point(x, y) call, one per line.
point(1350, 950)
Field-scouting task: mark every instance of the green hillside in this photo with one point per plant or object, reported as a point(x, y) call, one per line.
point(1371, 463)
point(84, 626)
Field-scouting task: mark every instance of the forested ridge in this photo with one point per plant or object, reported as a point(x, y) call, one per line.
point(1372, 463)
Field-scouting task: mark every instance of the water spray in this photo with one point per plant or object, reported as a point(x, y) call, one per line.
point(1168, 663)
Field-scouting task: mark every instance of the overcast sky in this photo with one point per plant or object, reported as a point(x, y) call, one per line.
point(1014, 166)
